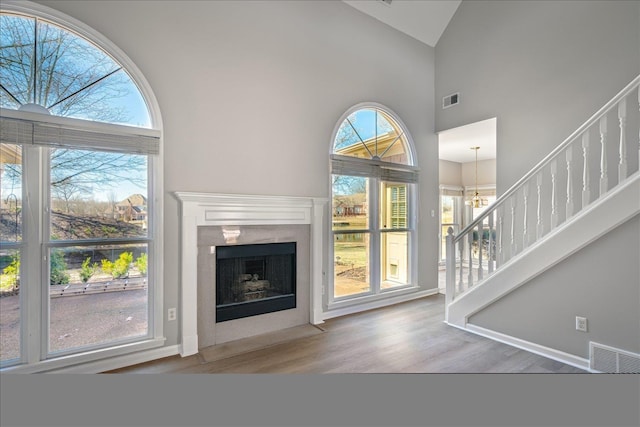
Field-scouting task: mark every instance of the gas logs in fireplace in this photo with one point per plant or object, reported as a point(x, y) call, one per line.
point(255, 279)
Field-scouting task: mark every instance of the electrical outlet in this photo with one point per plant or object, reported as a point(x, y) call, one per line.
point(581, 324)
point(171, 314)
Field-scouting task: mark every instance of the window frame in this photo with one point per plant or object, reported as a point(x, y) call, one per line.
point(34, 355)
point(404, 174)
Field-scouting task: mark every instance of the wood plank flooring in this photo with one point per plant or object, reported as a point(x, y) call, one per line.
point(404, 338)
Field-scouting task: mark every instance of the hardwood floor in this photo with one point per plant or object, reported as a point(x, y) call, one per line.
point(405, 338)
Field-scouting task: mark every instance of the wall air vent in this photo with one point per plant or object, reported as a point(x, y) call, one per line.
point(612, 360)
point(450, 100)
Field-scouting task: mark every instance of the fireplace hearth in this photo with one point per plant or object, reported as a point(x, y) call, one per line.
point(254, 279)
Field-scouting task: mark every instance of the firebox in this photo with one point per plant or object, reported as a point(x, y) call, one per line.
point(254, 279)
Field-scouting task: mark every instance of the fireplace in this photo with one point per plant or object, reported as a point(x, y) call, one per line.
point(209, 221)
point(255, 279)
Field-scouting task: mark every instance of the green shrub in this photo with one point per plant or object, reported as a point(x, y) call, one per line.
point(59, 275)
point(141, 264)
point(10, 279)
point(120, 268)
point(87, 270)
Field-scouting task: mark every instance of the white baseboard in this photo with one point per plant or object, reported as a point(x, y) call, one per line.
point(531, 347)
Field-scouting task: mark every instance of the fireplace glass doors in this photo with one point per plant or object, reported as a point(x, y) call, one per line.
point(254, 279)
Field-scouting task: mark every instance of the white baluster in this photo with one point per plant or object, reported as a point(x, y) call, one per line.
point(569, 158)
point(622, 119)
point(470, 242)
point(554, 198)
point(604, 177)
point(586, 186)
point(501, 257)
point(539, 224)
point(451, 267)
point(525, 230)
point(491, 252)
point(461, 282)
point(639, 130)
point(480, 245)
point(514, 247)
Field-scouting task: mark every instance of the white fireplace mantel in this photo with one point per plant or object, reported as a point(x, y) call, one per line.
point(213, 209)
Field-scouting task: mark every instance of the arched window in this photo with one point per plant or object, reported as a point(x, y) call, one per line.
point(373, 179)
point(80, 194)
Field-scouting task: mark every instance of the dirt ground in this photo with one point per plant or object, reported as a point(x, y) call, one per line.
point(78, 321)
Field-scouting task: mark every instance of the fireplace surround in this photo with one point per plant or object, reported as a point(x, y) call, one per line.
point(212, 220)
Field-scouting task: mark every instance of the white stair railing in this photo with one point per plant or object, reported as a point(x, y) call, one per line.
point(548, 195)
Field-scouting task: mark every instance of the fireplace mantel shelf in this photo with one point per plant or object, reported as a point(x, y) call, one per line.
point(218, 209)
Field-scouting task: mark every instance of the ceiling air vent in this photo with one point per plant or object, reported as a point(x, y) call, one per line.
point(387, 2)
point(450, 100)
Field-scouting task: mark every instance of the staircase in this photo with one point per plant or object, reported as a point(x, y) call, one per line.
point(587, 186)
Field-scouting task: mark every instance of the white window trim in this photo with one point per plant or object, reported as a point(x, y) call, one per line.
point(351, 304)
point(30, 357)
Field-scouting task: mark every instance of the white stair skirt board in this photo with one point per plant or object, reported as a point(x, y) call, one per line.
point(619, 205)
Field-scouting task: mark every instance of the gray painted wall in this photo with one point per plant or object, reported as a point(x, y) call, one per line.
point(464, 174)
point(250, 93)
point(600, 282)
point(450, 173)
point(486, 173)
point(541, 67)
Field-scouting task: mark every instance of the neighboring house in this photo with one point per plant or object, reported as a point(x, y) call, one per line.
point(133, 209)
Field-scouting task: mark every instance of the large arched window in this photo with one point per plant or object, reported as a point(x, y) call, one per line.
point(80, 195)
point(373, 175)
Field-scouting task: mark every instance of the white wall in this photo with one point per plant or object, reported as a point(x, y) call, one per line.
point(250, 92)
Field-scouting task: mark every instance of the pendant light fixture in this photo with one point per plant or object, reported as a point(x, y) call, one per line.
point(476, 201)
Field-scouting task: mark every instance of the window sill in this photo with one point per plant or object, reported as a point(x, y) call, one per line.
point(369, 302)
point(86, 362)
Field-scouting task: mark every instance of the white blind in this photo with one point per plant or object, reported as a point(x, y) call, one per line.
point(450, 191)
point(374, 169)
point(104, 137)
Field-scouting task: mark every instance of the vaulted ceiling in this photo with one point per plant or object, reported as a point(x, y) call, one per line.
point(424, 20)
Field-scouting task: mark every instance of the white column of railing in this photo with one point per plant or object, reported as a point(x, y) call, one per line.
point(491, 251)
point(525, 207)
point(513, 245)
point(501, 257)
point(450, 252)
point(569, 159)
point(539, 223)
point(639, 131)
point(622, 119)
point(470, 275)
point(554, 198)
point(461, 282)
point(480, 246)
point(604, 177)
point(586, 189)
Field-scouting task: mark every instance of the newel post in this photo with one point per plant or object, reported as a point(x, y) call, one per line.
point(450, 268)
